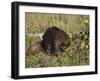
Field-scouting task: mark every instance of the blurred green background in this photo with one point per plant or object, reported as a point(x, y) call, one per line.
point(76, 26)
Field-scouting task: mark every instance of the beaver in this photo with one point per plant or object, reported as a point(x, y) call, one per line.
point(55, 41)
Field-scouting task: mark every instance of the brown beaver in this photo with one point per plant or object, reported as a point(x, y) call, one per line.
point(55, 41)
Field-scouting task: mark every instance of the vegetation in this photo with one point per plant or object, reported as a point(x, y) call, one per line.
point(77, 27)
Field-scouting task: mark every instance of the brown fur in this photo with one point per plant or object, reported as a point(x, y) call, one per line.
point(55, 41)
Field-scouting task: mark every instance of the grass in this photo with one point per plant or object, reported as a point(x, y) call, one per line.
point(76, 55)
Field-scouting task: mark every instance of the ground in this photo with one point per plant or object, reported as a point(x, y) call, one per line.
point(77, 27)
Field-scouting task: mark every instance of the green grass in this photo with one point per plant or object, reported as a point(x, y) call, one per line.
point(77, 54)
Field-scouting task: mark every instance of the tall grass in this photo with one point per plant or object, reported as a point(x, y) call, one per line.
point(39, 22)
point(76, 54)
